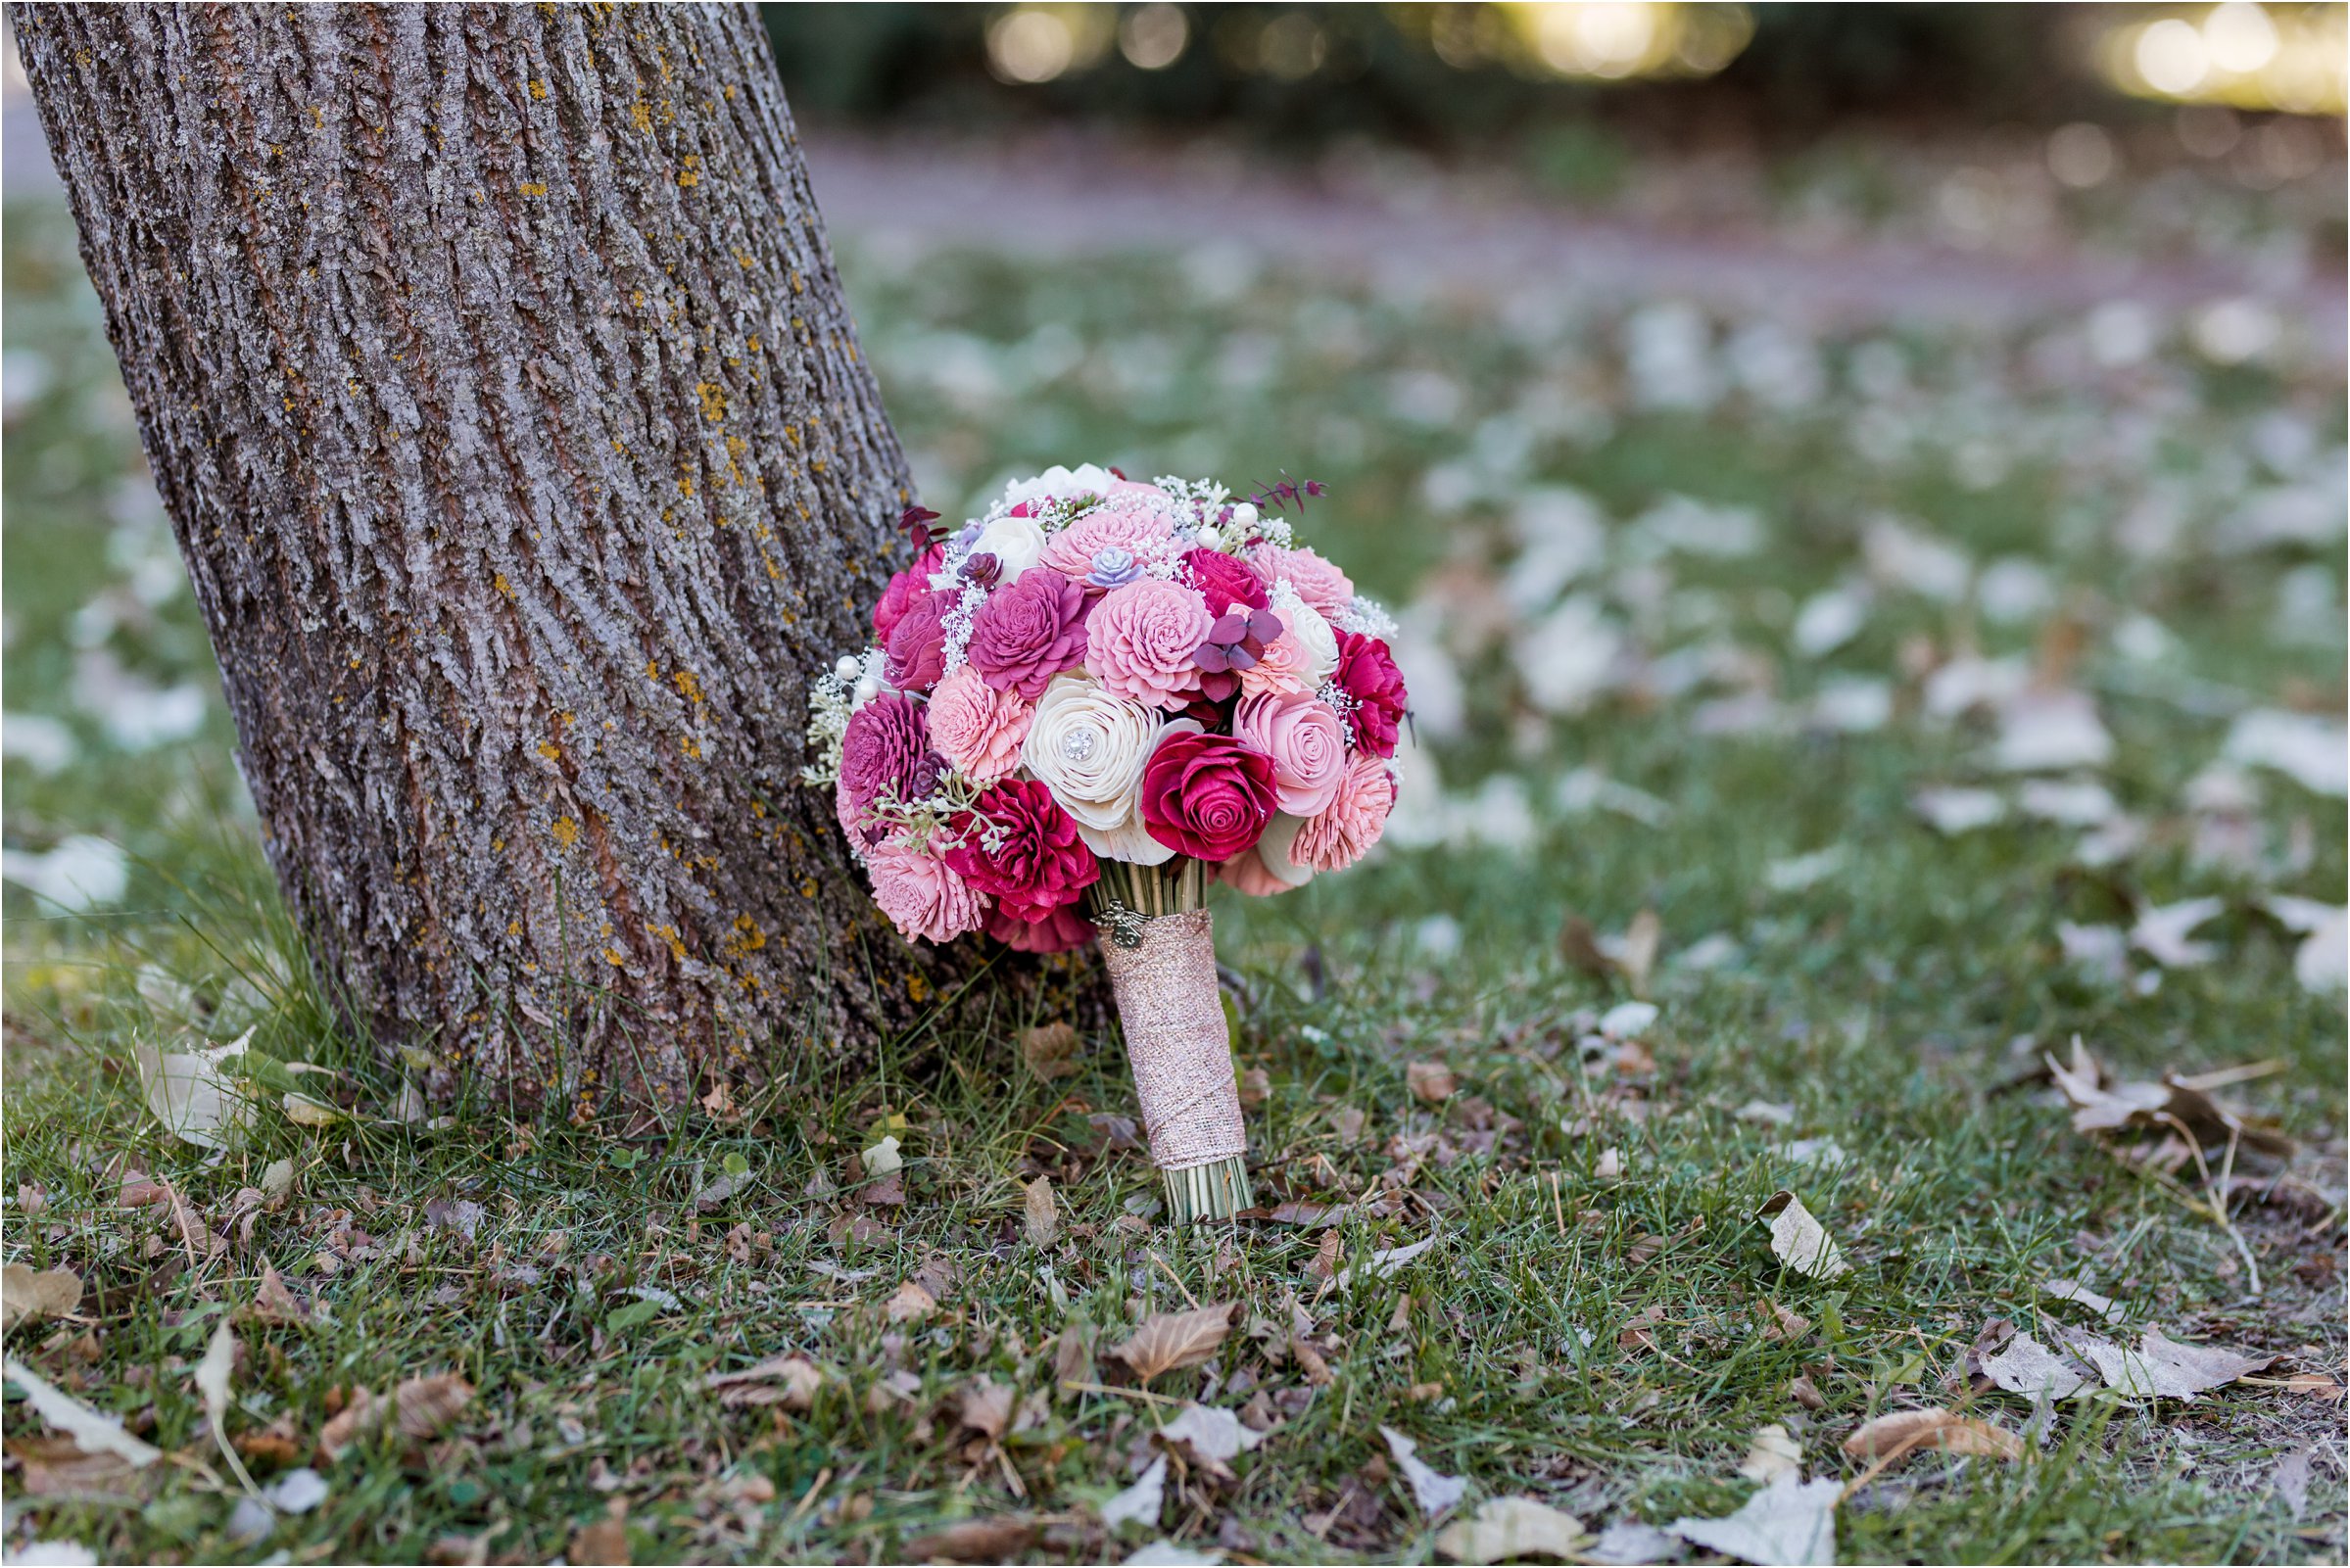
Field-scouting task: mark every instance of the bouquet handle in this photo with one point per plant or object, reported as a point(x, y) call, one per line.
point(1161, 962)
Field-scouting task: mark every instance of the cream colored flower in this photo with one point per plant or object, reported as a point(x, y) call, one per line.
point(1088, 748)
point(1016, 543)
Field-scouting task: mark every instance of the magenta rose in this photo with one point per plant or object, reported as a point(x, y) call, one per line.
point(905, 589)
point(1366, 673)
point(1207, 795)
point(886, 746)
point(1058, 932)
point(1028, 632)
point(917, 645)
point(1224, 581)
point(1022, 849)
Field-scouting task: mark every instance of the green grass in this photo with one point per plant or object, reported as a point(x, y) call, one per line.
point(1883, 1003)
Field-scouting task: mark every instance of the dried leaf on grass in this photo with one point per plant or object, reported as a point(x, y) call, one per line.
point(974, 1541)
point(1050, 1051)
point(2102, 1106)
point(1433, 1490)
point(1799, 1241)
point(1164, 1554)
point(1140, 1503)
point(27, 1297)
point(1430, 1081)
point(1041, 1216)
point(1167, 1340)
point(1791, 1521)
point(1383, 1262)
point(2028, 1367)
point(790, 1380)
point(2163, 1368)
point(273, 1302)
point(192, 1098)
point(1212, 1434)
point(604, 1541)
point(419, 1408)
point(1503, 1528)
point(1905, 1432)
point(91, 1431)
point(911, 1304)
point(2072, 1290)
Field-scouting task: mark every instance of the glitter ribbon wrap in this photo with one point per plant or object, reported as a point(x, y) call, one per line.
point(1177, 1039)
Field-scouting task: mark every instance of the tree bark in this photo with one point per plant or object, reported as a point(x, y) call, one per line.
point(494, 369)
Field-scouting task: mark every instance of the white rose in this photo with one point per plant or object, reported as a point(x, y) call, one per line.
point(1314, 634)
point(1088, 748)
point(1087, 479)
point(1016, 543)
point(1280, 837)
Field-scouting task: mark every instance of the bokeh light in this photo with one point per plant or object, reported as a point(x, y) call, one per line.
point(2238, 53)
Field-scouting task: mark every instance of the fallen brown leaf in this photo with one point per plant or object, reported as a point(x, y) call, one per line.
point(790, 1380)
point(27, 1297)
point(988, 1407)
point(1430, 1081)
point(1041, 1216)
point(419, 1408)
point(273, 1302)
point(604, 1542)
point(1168, 1341)
point(974, 1541)
point(911, 1304)
point(1050, 1051)
point(1904, 1432)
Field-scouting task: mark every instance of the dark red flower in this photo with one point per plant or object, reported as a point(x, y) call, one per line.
point(1366, 673)
point(1029, 631)
point(1207, 795)
point(1058, 932)
point(1224, 581)
point(905, 589)
point(1021, 848)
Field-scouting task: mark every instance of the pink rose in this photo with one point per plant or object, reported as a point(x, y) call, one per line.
point(1028, 632)
point(1366, 673)
point(1207, 795)
point(1246, 871)
point(976, 728)
point(1351, 823)
point(1019, 847)
point(886, 748)
point(1224, 581)
point(1059, 932)
point(1143, 532)
point(1140, 642)
point(1306, 741)
point(921, 896)
point(1318, 581)
point(917, 645)
point(905, 589)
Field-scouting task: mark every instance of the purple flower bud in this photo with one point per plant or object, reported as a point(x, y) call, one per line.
point(984, 568)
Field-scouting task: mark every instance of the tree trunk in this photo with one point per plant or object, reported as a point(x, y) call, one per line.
point(494, 369)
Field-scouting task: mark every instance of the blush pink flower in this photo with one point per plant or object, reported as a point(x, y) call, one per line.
point(1142, 530)
point(921, 896)
point(1030, 631)
point(1022, 849)
point(1352, 823)
point(976, 728)
point(1058, 932)
point(1306, 741)
point(1318, 581)
point(1300, 658)
point(1141, 640)
point(1246, 871)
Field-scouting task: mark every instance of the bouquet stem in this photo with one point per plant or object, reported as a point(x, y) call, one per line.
point(1158, 945)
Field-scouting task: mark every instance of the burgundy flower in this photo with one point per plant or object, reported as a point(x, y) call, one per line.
point(1234, 643)
point(886, 746)
point(1029, 631)
point(917, 645)
point(1058, 932)
point(905, 589)
point(1368, 674)
point(1023, 848)
point(1224, 581)
point(1207, 795)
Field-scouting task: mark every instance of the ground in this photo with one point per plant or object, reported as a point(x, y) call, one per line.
point(1867, 697)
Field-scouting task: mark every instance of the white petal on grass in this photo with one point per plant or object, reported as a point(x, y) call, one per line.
point(2049, 731)
point(1954, 811)
point(2013, 590)
point(1164, 1553)
point(2312, 751)
point(1829, 620)
point(1384, 1263)
point(883, 1158)
point(2323, 962)
point(296, 1492)
point(1968, 683)
point(2161, 932)
point(2072, 802)
point(1569, 657)
point(43, 743)
point(1628, 1020)
point(1630, 1542)
point(81, 873)
point(1791, 1521)
point(1433, 1490)
point(1825, 1152)
point(1587, 790)
point(53, 1554)
point(2101, 952)
point(91, 1432)
point(1852, 705)
point(1909, 558)
point(1504, 1528)
point(1799, 872)
point(1138, 1503)
point(1798, 1239)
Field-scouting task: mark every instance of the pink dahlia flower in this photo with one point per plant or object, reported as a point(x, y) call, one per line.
point(1318, 581)
point(886, 746)
point(1366, 673)
point(1306, 741)
point(1207, 795)
point(1141, 532)
point(1141, 640)
point(1024, 850)
point(976, 728)
point(1028, 632)
point(921, 896)
point(1355, 816)
point(1058, 932)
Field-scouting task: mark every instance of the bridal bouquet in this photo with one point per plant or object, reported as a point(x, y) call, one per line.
point(1082, 709)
